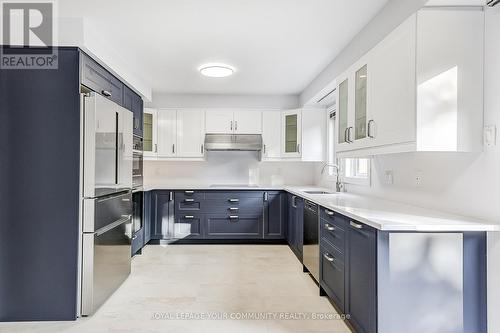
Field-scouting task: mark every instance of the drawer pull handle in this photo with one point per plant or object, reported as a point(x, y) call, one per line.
point(188, 200)
point(106, 93)
point(356, 225)
point(234, 200)
point(233, 208)
point(329, 213)
point(189, 192)
point(233, 217)
point(329, 257)
point(329, 227)
point(189, 217)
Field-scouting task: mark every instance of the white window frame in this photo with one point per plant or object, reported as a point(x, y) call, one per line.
point(331, 157)
point(365, 181)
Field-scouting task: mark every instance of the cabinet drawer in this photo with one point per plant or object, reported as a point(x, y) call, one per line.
point(97, 78)
point(332, 276)
point(188, 226)
point(336, 253)
point(333, 233)
point(234, 226)
point(327, 214)
point(189, 194)
point(233, 196)
point(253, 205)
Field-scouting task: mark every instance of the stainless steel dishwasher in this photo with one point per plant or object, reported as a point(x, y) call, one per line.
point(311, 239)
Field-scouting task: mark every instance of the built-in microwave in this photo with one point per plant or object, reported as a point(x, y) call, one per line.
point(137, 163)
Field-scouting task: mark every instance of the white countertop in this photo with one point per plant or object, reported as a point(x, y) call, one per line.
point(379, 213)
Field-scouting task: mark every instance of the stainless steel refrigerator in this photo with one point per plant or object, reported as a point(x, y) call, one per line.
point(106, 228)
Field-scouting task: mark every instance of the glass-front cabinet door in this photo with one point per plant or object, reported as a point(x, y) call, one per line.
point(360, 102)
point(343, 111)
point(292, 133)
point(150, 143)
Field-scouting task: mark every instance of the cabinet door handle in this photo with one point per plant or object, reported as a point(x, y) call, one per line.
point(329, 227)
point(328, 257)
point(294, 201)
point(171, 196)
point(231, 125)
point(173, 149)
point(236, 125)
point(134, 237)
point(202, 150)
point(356, 225)
point(370, 134)
point(189, 192)
point(266, 196)
point(233, 217)
point(233, 208)
point(106, 93)
point(234, 200)
point(345, 135)
point(189, 217)
point(264, 149)
point(188, 200)
point(298, 148)
point(156, 147)
point(329, 213)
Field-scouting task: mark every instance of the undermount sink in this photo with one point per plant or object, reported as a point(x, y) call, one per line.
point(318, 192)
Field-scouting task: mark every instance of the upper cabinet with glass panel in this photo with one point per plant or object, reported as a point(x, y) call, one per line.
point(292, 133)
point(419, 89)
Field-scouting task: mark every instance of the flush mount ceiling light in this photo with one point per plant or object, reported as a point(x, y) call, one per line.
point(216, 70)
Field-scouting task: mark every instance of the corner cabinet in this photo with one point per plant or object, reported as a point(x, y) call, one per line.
point(419, 89)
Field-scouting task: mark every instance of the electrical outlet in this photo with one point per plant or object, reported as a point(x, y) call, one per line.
point(389, 177)
point(418, 178)
point(490, 135)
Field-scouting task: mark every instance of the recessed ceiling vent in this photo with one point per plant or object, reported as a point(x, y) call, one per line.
point(328, 99)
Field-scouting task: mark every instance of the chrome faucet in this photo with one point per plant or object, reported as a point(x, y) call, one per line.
point(339, 186)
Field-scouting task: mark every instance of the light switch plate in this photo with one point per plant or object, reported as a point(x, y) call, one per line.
point(490, 135)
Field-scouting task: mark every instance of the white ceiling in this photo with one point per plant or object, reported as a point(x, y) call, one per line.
point(277, 46)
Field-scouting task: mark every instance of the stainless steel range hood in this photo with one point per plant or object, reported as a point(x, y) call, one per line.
point(233, 142)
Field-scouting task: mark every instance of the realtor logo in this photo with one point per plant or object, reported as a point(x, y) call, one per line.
point(28, 35)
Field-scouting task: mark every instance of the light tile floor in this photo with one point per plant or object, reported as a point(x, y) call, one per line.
point(196, 279)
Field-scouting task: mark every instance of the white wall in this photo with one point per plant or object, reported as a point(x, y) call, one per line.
point(165, 100)
point(228, 168)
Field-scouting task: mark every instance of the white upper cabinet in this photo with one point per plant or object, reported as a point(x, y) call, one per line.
point(450, 50)
point(392, 69)
point(219, 121)
point(150, 142)
point(271, 134)
point(167, 136)
point(190, 133)
point(291, 133)
point(420, 89)
point(313, 135)
point(233, 121)
point(247, 122)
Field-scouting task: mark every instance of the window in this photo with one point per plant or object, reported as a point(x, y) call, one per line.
point(355, 171)
point(332, 159)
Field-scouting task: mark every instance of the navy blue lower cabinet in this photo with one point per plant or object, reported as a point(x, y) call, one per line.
point(189, 226)
point(361, 277)
point(234, 226)
point(146, 216)
point(137, 241)
point(332, 273)
point(295, 224)
point(160, 210)
point(274, 215)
